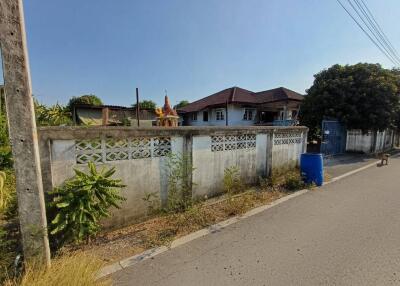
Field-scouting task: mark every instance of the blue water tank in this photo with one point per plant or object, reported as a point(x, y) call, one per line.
point(312, 168)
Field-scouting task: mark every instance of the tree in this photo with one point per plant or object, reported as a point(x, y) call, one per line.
point(54, 115)
point(362, 96)
point(181, 104)
point(146, 104)
point(89, 99)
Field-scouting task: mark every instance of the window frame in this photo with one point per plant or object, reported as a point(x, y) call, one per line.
point(222, 114)
point(246, 113)
point(194, 116)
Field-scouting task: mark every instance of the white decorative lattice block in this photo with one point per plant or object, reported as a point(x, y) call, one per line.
point(233, 142)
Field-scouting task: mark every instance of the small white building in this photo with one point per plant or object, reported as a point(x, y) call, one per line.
point(236, 106)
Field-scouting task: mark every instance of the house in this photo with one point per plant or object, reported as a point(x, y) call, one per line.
point(83, 114)
point(236, 106)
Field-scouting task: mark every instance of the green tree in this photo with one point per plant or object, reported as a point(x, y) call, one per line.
point(181, 104)
point(146, 104)
point(89, 99)
point(362, 96)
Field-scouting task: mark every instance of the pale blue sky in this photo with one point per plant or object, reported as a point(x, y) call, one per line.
point(191, 48)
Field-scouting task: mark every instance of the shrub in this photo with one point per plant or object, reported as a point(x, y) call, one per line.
point(293, 181)
point(82, 201)
point(232, 181)
point(179, 185)
point(77, 269)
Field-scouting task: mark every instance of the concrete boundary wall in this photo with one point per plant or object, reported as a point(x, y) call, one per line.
point(140, 156)
point(370, 142)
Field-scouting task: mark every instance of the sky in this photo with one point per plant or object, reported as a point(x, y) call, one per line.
point(191, 48)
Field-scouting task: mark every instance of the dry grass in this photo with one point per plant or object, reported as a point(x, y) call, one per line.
point(77, 269)
point(162, 230)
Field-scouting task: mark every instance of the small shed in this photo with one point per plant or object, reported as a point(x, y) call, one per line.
point(111, 115)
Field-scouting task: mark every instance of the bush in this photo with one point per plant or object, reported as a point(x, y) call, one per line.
point(76, 269)
point(89, 99)
point(82, 201)
point(294, 181)
point(232, 181)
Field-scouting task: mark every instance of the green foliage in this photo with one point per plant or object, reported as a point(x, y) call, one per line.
point(361, 96)
point(89, 99)
point(4, 141)
point(179, 168)
point(232, 181)
point(8, 252)
point(54, 115)
point(146, 104)
point(294, 181)
point(181, 104)
point(82, 201)
point(6, 160)
point(8, 196)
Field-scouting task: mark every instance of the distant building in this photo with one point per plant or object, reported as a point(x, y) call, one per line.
point(111, 115)
point(236, 106)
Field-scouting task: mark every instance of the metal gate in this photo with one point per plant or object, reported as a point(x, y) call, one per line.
point(333, 138)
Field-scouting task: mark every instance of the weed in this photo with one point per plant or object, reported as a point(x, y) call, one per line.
point(179, 184)
point(152, 201)
point(195, 217)
point(232, 181)
point(8, 197)
point(294, 181)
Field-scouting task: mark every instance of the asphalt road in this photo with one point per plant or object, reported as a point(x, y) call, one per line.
point(345, 233)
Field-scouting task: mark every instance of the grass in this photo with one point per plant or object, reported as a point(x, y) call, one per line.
point(8, 198)
point(163, 228)
point(9, 230)
point(78, 265)
point(78, 269)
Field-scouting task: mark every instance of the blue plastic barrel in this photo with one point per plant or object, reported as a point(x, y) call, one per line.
point(312, 168)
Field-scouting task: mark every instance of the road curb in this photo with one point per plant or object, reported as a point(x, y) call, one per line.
point(150, 253)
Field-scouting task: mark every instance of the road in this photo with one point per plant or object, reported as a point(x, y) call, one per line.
point(345, 233)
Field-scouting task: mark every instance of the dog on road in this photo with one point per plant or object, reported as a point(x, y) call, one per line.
point(385, 158)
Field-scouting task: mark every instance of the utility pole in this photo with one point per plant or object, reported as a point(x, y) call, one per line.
point(23, 134)
point(137, 107)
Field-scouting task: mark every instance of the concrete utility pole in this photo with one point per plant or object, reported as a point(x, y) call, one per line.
point(23, 135)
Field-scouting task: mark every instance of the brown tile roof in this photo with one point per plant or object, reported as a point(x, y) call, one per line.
point(240, 95)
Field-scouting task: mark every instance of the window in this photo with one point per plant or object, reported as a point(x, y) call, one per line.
point(205, 115)
point(248, 114)
point(194, 116)
point(219, 114)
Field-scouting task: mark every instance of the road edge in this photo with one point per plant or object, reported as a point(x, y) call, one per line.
point(150, 253)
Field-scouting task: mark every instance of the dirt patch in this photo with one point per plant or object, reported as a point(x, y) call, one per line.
point(122, 243)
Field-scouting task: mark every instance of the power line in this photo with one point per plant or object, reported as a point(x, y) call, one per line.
point(373, 33)
point(366, 33)
point(379, 27)
point(385, 43)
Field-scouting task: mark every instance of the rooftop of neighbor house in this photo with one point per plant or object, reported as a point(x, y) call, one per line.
point(239, 95)
point(115, 107)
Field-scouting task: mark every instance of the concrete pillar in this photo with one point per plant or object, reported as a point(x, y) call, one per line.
point(105, 115)
point(23, 135)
